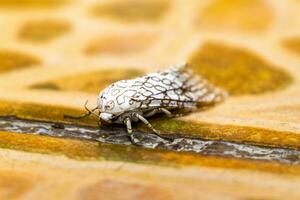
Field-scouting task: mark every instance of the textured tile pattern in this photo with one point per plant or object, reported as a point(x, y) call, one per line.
point(55, 55)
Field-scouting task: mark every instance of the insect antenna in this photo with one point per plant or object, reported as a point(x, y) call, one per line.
point(88, 113)
point(91, 111)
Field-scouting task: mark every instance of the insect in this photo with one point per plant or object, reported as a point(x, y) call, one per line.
point(175, 88)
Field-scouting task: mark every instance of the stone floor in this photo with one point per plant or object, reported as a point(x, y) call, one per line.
point(56, 54)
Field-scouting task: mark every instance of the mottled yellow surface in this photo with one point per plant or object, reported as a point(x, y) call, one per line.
point(55, 55)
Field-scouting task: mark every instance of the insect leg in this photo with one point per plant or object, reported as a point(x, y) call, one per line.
point(168, 113)
point(151, 113)
point(154, 111)
point(145, 121)
point(128, 124)
point(127, 121)
point(165, 111)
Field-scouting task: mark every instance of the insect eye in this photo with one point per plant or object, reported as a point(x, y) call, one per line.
point(110, 105)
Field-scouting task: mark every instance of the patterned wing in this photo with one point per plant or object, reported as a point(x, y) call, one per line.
point(176, 87)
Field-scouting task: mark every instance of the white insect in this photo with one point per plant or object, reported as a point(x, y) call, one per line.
point(173, 89)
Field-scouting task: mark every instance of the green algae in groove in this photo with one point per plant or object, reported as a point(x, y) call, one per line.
point(43, 30)
point(244, 134)
point(116, 135)
point(132, 10)
point(12, 60)
point(86, 151)
point(238, 70)
point(91, 82)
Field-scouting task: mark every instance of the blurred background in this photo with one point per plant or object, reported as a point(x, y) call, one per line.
point(56, 54)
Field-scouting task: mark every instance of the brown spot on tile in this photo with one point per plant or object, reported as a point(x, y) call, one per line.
point(14, 185)
point(248, 15)
point(237, 70)
point(120, 44)
point(292, 44)
point(132, 10)
point(92, 82)
point(113, 189)
point(11, 60)
point(43, 30)
point(30, 3)
point(46, 86)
